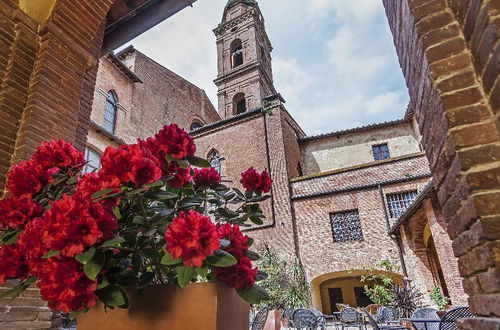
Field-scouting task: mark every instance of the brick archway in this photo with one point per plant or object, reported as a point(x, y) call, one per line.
point(449, 50)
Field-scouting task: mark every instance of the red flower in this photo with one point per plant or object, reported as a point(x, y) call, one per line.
point(74, 224)
point(65, 286)
point(182, 176)
point(192, 237)
point(240, 276)
point(253, 181)
point(58, 154)
point(28, 178)
point(15, 212)
point(128, 164)
point(32, 244)
point(90, 183)
point(206, 177)
point(238, 242)
point(175, 142)
point(12, 263)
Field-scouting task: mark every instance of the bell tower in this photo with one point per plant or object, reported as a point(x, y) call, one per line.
point(243, 59)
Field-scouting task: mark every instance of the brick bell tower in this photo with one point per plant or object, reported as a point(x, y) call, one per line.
point(243, 59)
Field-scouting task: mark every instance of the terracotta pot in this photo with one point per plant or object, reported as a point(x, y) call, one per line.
point(273, 320)
point(441, 313)
point(199, 306)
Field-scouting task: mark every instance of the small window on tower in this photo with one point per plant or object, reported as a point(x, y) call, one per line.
point(381, 151)
point(239, 102)
point(236, 53)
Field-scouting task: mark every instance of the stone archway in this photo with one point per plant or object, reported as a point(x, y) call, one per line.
point(346, 285)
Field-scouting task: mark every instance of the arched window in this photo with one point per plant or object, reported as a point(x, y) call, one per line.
point(110, 112)
point(239, 103)
point(93, 159)
point(195, 125)
point(215, 161)
point(236, 53)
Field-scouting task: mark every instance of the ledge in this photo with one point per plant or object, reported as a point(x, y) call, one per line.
point(225, 121)
point(101, 130)
point(357, 167)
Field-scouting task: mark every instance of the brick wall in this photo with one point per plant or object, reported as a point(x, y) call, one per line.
point(449, 53)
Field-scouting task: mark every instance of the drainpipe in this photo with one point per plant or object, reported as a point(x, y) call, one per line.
point(396, 237)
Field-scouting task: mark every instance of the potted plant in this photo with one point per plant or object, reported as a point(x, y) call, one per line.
point(440, 300)
point(152, 220)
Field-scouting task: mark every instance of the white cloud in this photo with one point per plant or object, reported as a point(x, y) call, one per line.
point(380, 104)
point(290, 79)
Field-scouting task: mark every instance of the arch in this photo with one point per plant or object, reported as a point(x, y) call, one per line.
point(195, 125)
point(239, 103)
point(109, 122)
point(215, 160)
point(347, 281)
point(93, 160)
point(236, 53)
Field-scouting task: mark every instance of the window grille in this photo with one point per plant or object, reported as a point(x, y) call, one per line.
point(215, 161)
point(93, 160)
point(399, 202)
point(381, 152)
point(110, 113)
point(346, 226)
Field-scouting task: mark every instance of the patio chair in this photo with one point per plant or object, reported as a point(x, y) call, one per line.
point(390, 315)
point(287, 317)
point(260, 319)
point(379, 315)
point(375, 326)
point(425, 313)
point(304, 319)
point(341, 307)
point(351, 318)
point(448, 322)
point(320, 319)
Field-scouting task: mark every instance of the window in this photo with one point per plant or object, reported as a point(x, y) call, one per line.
point(381, 151)
point(195, 125)
point(215, 161)
point(236, 53)
point(239, 102)
point(110, 112)
point(399, 202)
point(346, 226)
point(93, 160)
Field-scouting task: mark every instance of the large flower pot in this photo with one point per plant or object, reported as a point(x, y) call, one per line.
point(273, 320)
point(199, 306)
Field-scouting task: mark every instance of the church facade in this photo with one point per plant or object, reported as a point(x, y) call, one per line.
point(341, 202)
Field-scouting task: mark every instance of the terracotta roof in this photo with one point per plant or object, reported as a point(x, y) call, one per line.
point(353, 130)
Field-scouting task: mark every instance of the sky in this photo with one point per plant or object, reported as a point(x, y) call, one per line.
point(334, 61)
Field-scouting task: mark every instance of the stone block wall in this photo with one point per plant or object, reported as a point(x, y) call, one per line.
point(449, 53)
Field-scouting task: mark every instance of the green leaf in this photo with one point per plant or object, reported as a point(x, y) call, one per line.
point(261, 276)
point(250, 241)
point(158, 183)
point(87, 256)
point(74, 314)
point(256, 220)
point(150, 252)
point(182, 163)
point(198, 161)
point(103, 283)
point(10, 237)
point(184, 275)
point(94, 266)
point(252, 255)
point(202, 271)
point(255, 295)
point(162, 195)
point(51, 254)
point(126, 278)
point(116, 212)
point(102, 193)
point(139, 220)
point(115, 241)
point(221, 259)
point(146, 279)
point(113, 296)
point(169, 260)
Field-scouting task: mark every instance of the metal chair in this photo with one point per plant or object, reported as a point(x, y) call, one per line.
point(448, 322)
point(341, 307)
point(260, 319)
point(390, 314)
point(304, 319)
point(287, 317)
point(320, 319)
point(425, 313)
point(379, 316)
point(375, 326)
point(351, 318)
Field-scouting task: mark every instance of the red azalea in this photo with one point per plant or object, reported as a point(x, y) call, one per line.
point(89, 184)
point(64, 285)
point(12, 263)
point(253, 181)
point(192, 237)
point(28, 178)
point(238, 241)
point(206, 177)
point(31, 242)
point(182, 176)
point(175, 142)
point(127, 165)
point(15, 212)
point(58, 154)
point(240, 276)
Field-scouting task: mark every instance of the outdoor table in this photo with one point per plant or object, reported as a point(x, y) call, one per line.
point(425, 321)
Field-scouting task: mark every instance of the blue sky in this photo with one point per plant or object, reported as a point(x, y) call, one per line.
point(334, 61)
